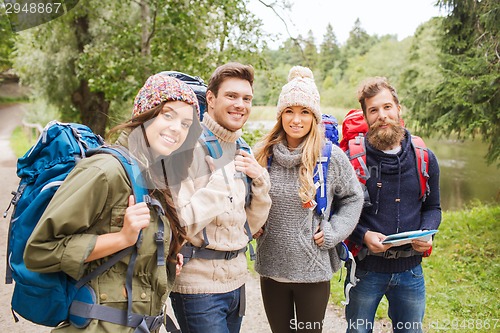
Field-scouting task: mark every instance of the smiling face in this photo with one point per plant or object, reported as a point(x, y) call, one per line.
point(232, 105)
point(167, 132)
point(383, 117)
point(297, 122)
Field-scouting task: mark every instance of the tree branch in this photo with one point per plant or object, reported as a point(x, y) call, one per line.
point(295, 40)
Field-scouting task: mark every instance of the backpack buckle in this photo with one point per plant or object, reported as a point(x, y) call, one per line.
point(391, 254)
point(231, 254)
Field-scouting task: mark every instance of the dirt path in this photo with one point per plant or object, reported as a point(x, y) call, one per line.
point(10, 116)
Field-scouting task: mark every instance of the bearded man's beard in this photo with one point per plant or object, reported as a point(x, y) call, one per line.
point(385, 138)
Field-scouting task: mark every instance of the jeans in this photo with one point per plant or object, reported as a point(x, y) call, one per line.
point(406, 295)
point(202, 313)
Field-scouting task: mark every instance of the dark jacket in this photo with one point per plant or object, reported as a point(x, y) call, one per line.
point(396, 206)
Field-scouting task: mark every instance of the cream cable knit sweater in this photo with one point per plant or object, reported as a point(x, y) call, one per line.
point(206, 201)
point(286, 250)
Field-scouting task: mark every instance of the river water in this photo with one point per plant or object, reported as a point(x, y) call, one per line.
point(464, 174)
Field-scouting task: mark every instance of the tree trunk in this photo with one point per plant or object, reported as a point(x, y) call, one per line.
point(145, 33)
point(93, 106)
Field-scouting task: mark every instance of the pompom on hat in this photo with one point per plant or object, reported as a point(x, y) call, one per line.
point(163, 88)
point(300, 91)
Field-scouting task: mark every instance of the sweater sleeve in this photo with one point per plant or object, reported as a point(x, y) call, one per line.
point(430, 217)
point(202, 196)
point(205, 204)
point(258, 210)
point(347, 196)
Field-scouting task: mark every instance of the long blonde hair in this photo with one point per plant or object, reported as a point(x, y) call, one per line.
point(311, 152)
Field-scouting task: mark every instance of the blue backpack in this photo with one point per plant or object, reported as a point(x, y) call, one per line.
point(51, 298)
point(321, 171)
point(330, 124)
point(197, 84)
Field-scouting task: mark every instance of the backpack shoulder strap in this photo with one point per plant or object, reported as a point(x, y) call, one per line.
point(422, 160)
point(319, 178)
point(242, 145)
point(131, 168)
point(357, 156)
point(210, 142)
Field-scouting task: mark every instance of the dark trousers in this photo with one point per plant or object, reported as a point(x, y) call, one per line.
point(295, 307)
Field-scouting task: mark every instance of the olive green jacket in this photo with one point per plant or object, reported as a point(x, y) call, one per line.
point(92, 201)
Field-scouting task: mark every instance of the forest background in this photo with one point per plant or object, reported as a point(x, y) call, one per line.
point(88, 64)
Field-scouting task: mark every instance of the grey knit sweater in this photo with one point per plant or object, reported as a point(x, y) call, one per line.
point(286, 250)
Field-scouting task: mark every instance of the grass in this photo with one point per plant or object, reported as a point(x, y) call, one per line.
point(10, 99)
point(21, 140)
point(462, 274)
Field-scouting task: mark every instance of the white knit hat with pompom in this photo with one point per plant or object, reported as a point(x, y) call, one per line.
point(300, 91)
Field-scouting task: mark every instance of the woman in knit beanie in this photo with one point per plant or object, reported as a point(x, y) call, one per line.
point(296, 255)
point(94, 214)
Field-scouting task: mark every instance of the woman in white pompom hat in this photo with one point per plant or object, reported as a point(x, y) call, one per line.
point(295, 244)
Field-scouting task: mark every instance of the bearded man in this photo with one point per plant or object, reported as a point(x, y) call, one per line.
point(396, 206)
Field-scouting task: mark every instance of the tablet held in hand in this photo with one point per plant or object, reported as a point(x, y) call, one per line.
point(408, 236)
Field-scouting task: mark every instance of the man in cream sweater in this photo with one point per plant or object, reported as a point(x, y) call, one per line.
point(208, 295)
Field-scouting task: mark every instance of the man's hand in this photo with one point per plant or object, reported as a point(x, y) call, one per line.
point(420, 245)
point(373, 241)
point(259, 233)
point(246, 163)
point(179, 264)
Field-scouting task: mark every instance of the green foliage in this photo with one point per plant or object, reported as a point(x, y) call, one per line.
point(421, 75)
point(7, 38)
point(291, 52)
point(329, 52)
point(466, 99)
point(39, 111)
point(358, 43)
point(21, 140)
point(91, 62)
point(253, 136)
point(268, 81)
point(99, 54)
point(310, 51)
point(374, 63)
point(45, 59)
point(10, 99)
